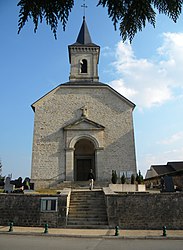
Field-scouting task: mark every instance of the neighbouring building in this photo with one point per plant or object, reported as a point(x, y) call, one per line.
point(156, 172)
point(82, 124)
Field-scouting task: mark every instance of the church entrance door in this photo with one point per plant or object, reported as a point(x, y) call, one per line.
point(83, 168)
point(84, 159)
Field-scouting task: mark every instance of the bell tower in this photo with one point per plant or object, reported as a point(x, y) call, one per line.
point(84, 57)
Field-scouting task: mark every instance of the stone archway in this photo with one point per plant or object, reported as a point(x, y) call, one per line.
point(70, 157)
point(84, 159)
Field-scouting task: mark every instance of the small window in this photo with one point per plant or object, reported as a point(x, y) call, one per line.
point(49, 204)
point(83, 66)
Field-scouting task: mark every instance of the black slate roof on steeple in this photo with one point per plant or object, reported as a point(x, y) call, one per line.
point(84, 37)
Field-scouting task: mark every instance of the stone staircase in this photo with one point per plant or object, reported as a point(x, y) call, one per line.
point(87, 210)
point(77, 185)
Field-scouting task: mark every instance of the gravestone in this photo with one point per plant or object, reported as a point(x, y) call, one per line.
point(2, 182)
point(8, 187)
point(168, 184)
point(26, 183)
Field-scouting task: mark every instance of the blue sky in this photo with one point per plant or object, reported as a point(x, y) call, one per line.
point(149, 72)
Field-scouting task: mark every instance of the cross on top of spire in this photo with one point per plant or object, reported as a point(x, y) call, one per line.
point(84, 6)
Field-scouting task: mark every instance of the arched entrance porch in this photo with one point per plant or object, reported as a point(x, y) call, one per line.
point(84, 159)
point(96, 149)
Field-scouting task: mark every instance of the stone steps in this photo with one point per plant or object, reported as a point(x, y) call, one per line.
point(91, 221)
point(89, 200)
point(88, 226)
point(78, 185)
point(88, 217)
point(87, 210)
point(87, 204)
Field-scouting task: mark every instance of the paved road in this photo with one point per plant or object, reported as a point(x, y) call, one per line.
point(18, 242)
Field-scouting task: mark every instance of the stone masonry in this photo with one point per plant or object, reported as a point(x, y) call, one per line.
point(128, 211)
point(61, 107)
point(25, 210)
point(145, 211)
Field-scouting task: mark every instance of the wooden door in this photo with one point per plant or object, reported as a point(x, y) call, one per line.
point(83, 167)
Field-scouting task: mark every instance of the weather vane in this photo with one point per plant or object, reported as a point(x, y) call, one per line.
point(84, 6)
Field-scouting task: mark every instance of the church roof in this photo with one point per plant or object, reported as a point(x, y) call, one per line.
point(100, 85)
point(85, 85)
point(84, 37)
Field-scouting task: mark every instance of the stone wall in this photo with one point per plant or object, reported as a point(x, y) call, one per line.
point(127, 187)
point(25, 210)
point(145, 211)
point(129, 211)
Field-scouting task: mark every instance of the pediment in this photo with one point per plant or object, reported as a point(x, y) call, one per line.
point(80, 84)
point(84, 124)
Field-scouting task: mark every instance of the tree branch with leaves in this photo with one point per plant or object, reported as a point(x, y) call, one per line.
point(130, 15)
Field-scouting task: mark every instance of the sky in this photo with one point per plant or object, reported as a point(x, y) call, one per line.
point(149, 72)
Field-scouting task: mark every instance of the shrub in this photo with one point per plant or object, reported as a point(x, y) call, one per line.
point(114, 177)
point(123, 179)
point(139, 178)
point(132, 179)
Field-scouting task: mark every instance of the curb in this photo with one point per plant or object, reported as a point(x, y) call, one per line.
point(95, 236)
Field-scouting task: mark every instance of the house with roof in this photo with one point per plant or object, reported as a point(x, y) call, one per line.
point(82, 124)
point(156, 172)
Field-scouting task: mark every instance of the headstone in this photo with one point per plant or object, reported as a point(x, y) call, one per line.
point(8, 187)
point(18, 185)
point(31, 186)
point(168, 184)
point(2, 183)
point(26, 183)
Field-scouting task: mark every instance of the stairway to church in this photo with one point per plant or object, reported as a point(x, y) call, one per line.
point(78, 185)
point(87, 210)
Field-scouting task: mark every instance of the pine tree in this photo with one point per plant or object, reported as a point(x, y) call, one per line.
point(123, 179)
point(114, 177)
point(131, 16)
point(132, 179)
point(1, 167)
point(139, 178)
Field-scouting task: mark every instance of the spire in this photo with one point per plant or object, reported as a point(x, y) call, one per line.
point(84, 57)
point(84, 35)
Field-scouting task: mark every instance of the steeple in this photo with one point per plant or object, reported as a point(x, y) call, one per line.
point(84, 35)
point(84, 57)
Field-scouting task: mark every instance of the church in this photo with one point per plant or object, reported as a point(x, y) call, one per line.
point(82, 124)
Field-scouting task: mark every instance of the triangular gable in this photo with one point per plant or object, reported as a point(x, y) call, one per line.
point(82, 85)
point(84, 124)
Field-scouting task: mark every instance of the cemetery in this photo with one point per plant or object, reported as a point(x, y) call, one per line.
point(17, 185)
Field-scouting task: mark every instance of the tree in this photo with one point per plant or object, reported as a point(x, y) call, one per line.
point(1, 167)
point(132, 179)
point(1, 177)
point(131, 15)
point(139, 178)
point(114, 178)
point(123, 179)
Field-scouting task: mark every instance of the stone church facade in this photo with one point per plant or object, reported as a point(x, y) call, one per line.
point(82, 124)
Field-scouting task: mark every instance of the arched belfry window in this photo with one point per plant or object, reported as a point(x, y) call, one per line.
point(83, 66)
